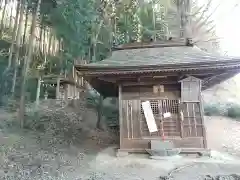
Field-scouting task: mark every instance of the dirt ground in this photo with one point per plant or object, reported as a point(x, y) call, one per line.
point(223, 134)
point(31, 156)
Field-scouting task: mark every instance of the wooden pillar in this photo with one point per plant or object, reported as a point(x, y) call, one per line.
point(181, 119)
point(75, 92)
point(203, 124)
point(58, 88)
point(120, 113)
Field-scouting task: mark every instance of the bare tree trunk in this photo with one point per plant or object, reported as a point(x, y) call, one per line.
point(94, 45)
point(53, 45)
point(41, 37)
point(41, 49)
point(61, 56)
point(44, 44)
point(50, 42)
point(2, 21)
point(27, 60)
point(11, 15)
point(38, 92)
point(154, 21)
point(18, 44)
point(15, 31)
point(25, 26)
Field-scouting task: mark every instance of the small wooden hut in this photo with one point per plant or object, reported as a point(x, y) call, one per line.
point(67, 86)
point(170, 75)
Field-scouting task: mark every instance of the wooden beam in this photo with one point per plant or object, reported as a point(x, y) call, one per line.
point(146, 83)
point(111, 80)
point(149, 81)
point(140, 77)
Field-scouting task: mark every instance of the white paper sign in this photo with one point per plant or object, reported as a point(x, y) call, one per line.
point(182, 116)
point(167, 115)
point(151, 123)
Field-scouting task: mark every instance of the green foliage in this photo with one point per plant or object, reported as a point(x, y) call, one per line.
point(127, 22)
point(212, 109)
point(72, 21)
point(110, 112)
point(148, 18)
point(93, 99)
point(229, 110)
point(234, 111)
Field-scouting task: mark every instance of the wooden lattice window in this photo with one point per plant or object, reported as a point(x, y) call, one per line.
point(154, 107)
point(171, 106)
point(162, 106)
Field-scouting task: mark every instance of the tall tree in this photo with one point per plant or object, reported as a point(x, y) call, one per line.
point(27, 61)
point(3, 17)
point(203, 27)
point(26, 23)
point(18, 44)
point(15, 30)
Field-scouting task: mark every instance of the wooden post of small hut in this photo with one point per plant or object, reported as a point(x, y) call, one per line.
point(58, 89)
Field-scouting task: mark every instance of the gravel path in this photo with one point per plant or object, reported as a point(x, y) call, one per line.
point(140, 167)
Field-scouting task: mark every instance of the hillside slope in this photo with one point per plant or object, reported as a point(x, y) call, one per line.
point(226, 92)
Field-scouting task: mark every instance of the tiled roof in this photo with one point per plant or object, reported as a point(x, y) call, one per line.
point(160, 56)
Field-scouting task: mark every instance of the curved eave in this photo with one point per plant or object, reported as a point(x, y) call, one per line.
point(218, 79)
point(107, 70)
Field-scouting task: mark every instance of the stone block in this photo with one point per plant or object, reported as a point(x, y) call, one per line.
point(160, 145)
point(164, 152)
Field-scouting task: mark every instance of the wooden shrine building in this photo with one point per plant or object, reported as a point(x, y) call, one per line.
point(170, 75)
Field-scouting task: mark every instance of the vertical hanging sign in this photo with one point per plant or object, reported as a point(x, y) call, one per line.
point(151, 123)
